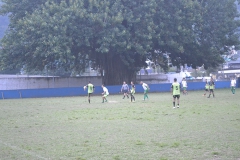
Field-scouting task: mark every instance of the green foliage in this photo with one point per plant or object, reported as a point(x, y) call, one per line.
point(116, 36)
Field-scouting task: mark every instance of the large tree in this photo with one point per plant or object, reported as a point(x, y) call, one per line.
point(116, 36)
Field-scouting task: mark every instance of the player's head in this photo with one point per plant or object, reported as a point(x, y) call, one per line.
point(124, 82)
point(131, 82)
point(184, 79)
point(175, 79)
point(89, 81)
point(141, 82)
point(102, 85)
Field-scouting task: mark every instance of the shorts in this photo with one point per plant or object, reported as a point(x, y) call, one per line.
point(176, 96)
point(105, 95)
point(211, 90)
point(184, 88)
point(89, 94)
point(146, 91)
point(206, 90)
point(125, 91)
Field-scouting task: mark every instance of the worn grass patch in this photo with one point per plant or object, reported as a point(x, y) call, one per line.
point(70, 128)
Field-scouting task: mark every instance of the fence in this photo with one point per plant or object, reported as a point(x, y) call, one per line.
point(78, 91)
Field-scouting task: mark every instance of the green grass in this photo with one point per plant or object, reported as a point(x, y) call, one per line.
point(70, 128)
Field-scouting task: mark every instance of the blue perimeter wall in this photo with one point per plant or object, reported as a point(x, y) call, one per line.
point(78, 91)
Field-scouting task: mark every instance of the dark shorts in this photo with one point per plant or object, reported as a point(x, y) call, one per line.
point(89, 94)
point(125, 91)
point(211, 90)
point(176, 96)
point(206, 90)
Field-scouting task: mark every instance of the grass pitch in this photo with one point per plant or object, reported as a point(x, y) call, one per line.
point(70, 128)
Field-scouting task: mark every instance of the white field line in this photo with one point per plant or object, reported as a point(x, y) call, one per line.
point(23, 150)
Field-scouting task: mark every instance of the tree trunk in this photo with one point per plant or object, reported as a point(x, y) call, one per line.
point(115, 71)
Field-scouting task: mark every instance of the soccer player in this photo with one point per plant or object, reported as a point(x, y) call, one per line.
point(211, 88)
point(132, 91)
point(146, 89)
point(184, 86)
point(125, 90)
point(104, 94)
point(206, 88)
point(175, 89)
point(233, 85)
point(90, 87)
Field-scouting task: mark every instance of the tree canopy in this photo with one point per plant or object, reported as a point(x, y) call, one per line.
point(116, 36)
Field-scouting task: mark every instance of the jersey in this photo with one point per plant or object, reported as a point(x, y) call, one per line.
point(90, 88)
point(145, 86)
point(124, 87)
point(105, 90)
point(184, 84)
point(207, 86)
point(176, 88)
point(132, 88)
point(233, 83)
point(211, 85)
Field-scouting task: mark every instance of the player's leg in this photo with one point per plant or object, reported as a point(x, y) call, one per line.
point(105, 97)
point(127, 93)
point(89, 95)
point(210, 93)
point(147, 93)
point(174, 98)
point(133, 95)
point(123, 94)
point(178, 99)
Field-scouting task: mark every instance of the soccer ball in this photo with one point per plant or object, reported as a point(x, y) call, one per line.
point(84, 87)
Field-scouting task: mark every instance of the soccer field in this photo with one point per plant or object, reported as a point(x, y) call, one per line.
point(70, 128)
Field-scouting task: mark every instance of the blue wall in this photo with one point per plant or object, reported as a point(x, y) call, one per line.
point(78, 91)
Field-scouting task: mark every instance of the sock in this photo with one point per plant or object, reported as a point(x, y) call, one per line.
point(173, 104)
point(89, 101)
point(123, 97)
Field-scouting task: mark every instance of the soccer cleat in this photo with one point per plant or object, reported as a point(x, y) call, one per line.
point(174, 107)
point(178, 106)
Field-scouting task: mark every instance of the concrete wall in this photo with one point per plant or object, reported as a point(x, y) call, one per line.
point(78, 91)
point(12, 83)
point(34, 82)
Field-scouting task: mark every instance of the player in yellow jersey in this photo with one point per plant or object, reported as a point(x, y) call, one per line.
point(211, 88)
point(90, 87)
point(175, 89)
